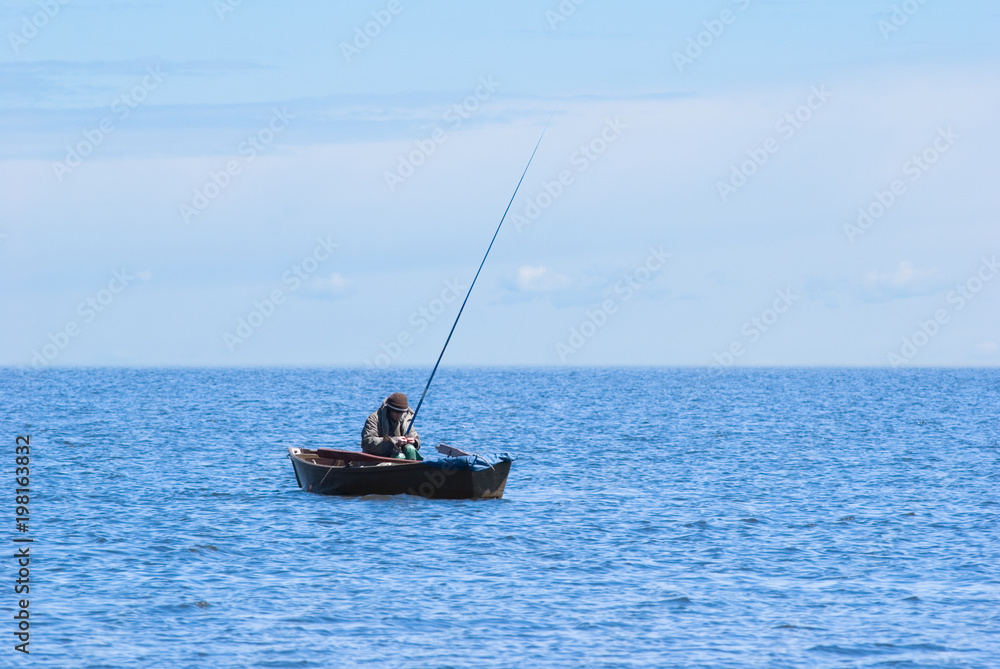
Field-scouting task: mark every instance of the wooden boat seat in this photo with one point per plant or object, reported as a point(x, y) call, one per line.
point(354, 456)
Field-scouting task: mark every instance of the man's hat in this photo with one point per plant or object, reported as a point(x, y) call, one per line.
point(397, 402)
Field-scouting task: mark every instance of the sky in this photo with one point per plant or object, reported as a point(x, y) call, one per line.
point(726, 183)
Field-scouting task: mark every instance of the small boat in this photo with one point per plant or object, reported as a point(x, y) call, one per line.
point(328, 471)
point(460, 475)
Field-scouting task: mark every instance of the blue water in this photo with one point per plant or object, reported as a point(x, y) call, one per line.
point(654, 518)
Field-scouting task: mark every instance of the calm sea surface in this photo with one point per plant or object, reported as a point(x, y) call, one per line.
point(654, 518)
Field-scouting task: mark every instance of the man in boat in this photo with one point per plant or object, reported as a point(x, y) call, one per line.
point(385, 430)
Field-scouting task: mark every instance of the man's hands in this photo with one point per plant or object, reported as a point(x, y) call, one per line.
point(401, 441)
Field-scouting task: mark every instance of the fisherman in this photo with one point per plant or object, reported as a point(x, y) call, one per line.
point(385, 430)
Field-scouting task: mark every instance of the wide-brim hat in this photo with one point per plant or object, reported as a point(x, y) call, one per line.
point(397, 402)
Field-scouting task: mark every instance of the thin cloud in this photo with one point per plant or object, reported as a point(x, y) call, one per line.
point(65, 83)
point(332, 286)
point(904, 281)
point(540, 280)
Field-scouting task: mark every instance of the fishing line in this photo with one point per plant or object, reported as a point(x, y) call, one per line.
point(502, 218)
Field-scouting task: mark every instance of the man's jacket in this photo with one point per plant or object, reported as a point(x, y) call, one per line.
point(379, 425)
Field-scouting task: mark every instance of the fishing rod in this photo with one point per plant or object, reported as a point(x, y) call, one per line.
point(462, 308)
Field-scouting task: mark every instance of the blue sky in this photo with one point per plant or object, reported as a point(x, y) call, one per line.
point(708, 213)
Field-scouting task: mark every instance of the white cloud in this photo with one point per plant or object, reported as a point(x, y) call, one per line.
point(336, 281)
point(904, 281)
point(333, 285)
point(540, 279)
point(988, 348)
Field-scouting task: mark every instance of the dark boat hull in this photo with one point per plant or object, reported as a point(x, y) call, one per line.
point(369, 475)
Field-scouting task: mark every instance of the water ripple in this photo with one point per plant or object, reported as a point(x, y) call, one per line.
point(655, 518)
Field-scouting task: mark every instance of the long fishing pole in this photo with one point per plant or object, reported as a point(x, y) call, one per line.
point(502, 218)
